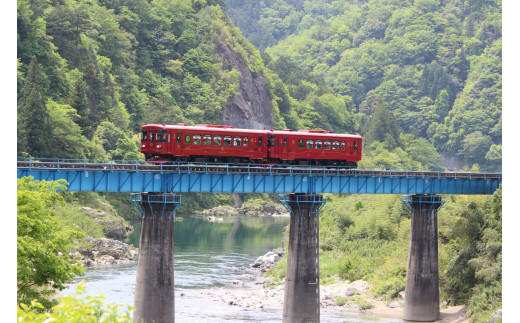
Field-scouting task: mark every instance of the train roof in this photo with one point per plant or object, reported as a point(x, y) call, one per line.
point(314, 133)
point(232, 129)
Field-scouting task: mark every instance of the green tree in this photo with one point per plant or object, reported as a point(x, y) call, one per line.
point(127, 149)
point(383, 127)
point(79, 101)
point(109, 134)
point(34, 124)
point(43, 242)
point(66, 138)
point(474, 146)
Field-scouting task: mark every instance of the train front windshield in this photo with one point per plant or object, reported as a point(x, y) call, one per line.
point(144, 135)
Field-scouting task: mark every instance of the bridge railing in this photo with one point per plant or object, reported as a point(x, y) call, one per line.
point(250, 169)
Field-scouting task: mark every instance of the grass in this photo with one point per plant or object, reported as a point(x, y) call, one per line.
point(362, 303)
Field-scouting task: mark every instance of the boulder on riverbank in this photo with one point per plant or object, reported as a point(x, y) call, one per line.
point(114, 226)
point(269, 260)
point(105, 251)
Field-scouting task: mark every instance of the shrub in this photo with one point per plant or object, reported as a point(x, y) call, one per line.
point(390, 288)
point(74, 309)
point(362, 303)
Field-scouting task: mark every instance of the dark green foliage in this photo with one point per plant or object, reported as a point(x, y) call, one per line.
point(78, 100)
point(383, 127)
point(34, 123)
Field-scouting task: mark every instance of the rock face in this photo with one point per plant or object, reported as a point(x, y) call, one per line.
point(114, 226)
point(251, 108)
point(105, 252)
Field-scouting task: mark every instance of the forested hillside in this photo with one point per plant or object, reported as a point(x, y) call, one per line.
point(91, 72)
point(435, 64)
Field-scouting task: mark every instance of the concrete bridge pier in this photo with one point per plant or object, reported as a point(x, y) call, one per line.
point(422, 279)
point(302, 280)
point(154, 293)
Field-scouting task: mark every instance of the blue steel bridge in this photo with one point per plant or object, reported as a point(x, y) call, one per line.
point(139, 176)
point(156, 183)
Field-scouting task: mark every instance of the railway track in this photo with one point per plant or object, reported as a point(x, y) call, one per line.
point(67, 165)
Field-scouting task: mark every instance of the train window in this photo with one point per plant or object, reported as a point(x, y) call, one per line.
point(178, 137)
point(310, 144)
point(187, 139)
point(160, 135)
point(143, 136)
point(335, 145)
point(284, 142)
point(259, 141)
point(355, 145)
point(326, 144)
point(207, 139)
point(217, 140)
point(151, 136)
point(318, 144)
point(169, 137)
point(238, 141)
point(343, 145)
point(246, 141)
point(197, 139)
point(227, 140)
point(301, 143)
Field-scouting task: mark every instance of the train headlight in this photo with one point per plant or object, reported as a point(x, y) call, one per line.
point(143, 146)
point(159, 146)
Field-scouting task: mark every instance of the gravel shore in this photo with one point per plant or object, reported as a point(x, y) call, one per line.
point(340, 296)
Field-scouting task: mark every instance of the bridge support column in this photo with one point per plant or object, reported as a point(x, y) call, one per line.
point(154, 293)
point(302, 280)
point(422, 279)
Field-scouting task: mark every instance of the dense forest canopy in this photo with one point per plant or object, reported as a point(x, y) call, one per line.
point(436, 64)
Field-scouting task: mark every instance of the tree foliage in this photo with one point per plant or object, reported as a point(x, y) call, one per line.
point(76, 309)
point(43, 242)
point(435, 64)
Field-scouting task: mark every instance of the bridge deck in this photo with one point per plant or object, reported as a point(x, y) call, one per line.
point(111, 176)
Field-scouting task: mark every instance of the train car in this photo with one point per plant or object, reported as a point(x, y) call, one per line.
point(315, 147)
point(213, 143)
point(203, 143)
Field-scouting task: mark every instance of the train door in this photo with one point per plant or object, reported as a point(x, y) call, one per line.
point(272, 145)
point(177, 143)
point(151, 141)
point(284, 148)
point(261, 147)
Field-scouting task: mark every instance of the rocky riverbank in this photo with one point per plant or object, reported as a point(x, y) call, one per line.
point(250, 208)
point(104, 252)
point(258, 292)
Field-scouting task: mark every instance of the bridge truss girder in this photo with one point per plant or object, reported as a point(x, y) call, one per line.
point(114, 181)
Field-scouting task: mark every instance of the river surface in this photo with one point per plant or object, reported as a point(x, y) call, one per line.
point(208, 255)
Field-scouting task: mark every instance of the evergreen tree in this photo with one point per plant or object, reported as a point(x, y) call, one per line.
point(78, 100)
point(383, 127)
point(34, 123)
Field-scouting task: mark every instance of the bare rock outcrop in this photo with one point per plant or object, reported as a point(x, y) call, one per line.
point(251, 108)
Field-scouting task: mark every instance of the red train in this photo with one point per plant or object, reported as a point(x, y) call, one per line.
point(211, 143)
